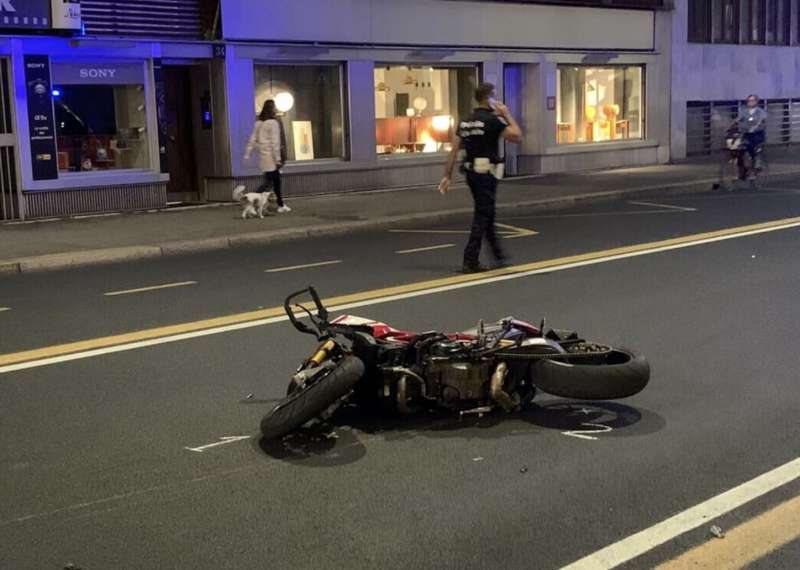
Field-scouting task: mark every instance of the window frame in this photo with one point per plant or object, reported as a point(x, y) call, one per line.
point(151, 120)
point(643, 107)
point(720, 33)
point(700, 31)
point(779, 14)
point(343, 104)
point(749, 8)
point(479, 76)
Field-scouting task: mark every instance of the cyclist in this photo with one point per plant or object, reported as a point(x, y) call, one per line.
point(753, 126)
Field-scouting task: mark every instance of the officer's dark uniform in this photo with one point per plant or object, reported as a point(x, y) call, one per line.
point(480, 135)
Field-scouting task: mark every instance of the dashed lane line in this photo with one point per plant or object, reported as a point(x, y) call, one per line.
point(663, 206)
point(305, 266)
point(3, 309)
point(150, 288)
point(635, 545)
point(89, 348)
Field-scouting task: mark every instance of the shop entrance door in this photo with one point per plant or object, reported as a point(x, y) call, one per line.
point(180, 139)
point(9, 193)
point(513, 94)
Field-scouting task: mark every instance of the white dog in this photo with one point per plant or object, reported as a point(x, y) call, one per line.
point(255, 203)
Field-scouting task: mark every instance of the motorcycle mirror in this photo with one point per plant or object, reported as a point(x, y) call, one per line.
point(543, 325)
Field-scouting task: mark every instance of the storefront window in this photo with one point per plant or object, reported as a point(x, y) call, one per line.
point(309, 99)
point(416, 108)
point(598, 104)
point(101, 116)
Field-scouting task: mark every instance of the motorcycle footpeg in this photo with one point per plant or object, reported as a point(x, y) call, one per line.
point(479, 411)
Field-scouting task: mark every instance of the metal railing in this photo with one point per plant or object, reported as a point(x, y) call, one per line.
point(707, 122)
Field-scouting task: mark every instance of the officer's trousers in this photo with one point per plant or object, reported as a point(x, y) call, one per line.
point(484, 193)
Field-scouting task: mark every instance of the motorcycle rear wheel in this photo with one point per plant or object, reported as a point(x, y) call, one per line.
point(309, 401)
point(621, 374)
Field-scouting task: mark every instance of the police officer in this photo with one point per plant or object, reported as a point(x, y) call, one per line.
point(479, 136)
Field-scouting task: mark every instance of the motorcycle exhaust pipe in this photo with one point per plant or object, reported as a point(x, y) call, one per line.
point(496, 391)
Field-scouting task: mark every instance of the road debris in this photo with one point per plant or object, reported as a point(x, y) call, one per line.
point(249, 396)
point(477, 459)
point(524, 469)
point(717, 531)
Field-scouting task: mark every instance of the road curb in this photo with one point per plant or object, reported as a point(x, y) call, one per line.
point(130, 253)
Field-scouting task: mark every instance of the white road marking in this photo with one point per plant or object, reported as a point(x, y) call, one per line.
point(506, 231)
point(151, 288)
point(515, 232)
point(722, 195)
point(2, 309)
point(635, 545)
point(429, 248)
point(587, 433)
point(306, 266)
point(664, 206)
point(429, 231)
point(225, 440)
point(591, 215)
point(388, 299)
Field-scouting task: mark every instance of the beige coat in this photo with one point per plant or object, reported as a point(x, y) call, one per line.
point(266, 141)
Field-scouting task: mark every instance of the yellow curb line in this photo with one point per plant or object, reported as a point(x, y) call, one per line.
point(746, 543)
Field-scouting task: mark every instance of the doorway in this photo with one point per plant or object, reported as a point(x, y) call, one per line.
point(513, 93)
point(9, 189)
point(180, 135)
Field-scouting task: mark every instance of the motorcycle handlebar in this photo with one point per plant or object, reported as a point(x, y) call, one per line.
point(322, 312)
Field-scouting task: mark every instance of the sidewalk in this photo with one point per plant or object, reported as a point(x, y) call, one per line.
point(56, 244)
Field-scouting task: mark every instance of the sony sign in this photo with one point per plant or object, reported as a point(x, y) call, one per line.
point(97, 73)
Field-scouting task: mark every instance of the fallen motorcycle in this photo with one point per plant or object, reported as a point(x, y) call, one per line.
point(497, 366)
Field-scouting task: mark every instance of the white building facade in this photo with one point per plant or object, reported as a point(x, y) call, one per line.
point(372, 88)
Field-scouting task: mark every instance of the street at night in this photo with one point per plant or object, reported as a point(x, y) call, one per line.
point(389, 285)
point(143, 450)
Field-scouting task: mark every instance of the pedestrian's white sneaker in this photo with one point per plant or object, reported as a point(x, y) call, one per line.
point(284, 209)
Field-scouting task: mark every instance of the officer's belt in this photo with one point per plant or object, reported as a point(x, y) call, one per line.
point(484, 165)
point(481, 166)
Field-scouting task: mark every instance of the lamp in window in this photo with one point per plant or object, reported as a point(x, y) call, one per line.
point(420, 104)
point(284, 101)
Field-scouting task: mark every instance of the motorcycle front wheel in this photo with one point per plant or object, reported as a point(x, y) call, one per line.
point(306, 403)
point(619, 374)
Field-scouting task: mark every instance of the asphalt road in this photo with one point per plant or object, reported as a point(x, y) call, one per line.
point(94, 465)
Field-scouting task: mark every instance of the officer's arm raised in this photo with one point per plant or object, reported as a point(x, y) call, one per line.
point(512, 133)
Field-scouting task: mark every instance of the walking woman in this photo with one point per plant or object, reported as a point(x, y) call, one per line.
point(267, 138)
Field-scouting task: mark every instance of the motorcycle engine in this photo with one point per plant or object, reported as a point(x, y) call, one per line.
point(452, 376)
